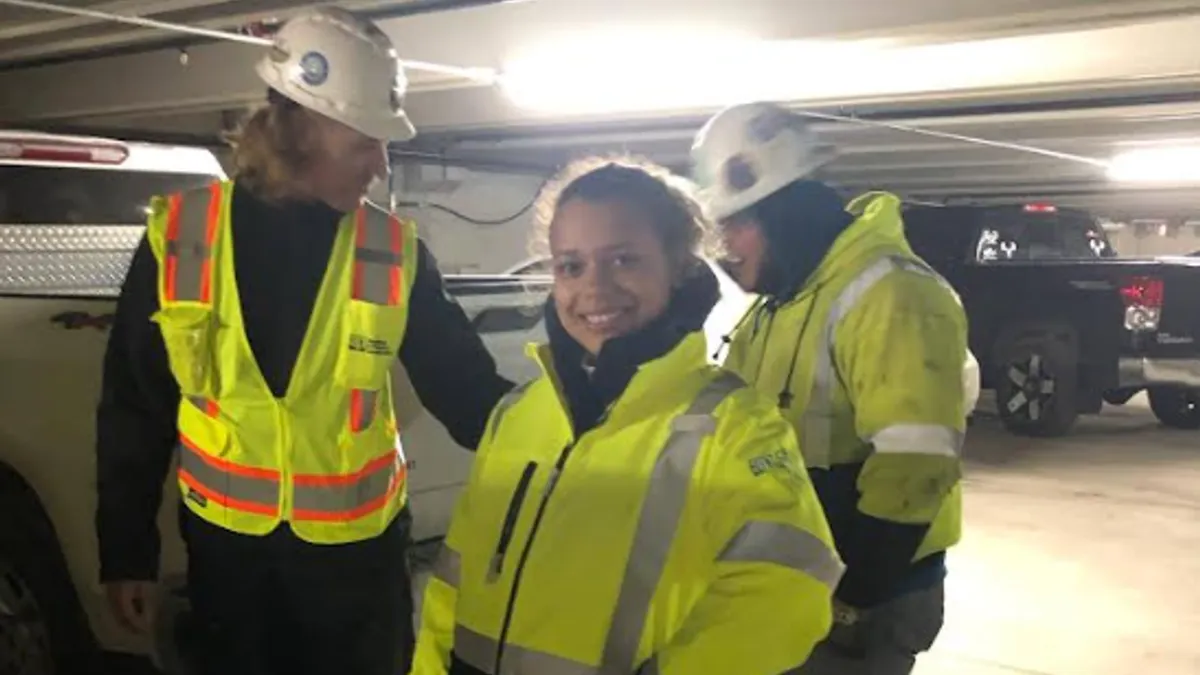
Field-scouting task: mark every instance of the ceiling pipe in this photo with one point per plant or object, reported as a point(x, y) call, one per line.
point(197, 35)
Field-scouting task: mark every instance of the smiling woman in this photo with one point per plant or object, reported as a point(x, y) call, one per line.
point(622, 235)
point(683, 535)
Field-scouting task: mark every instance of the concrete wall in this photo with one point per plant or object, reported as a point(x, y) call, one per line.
point(462, 247)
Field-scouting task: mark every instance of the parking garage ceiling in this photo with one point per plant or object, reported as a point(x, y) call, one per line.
point(1085, 77)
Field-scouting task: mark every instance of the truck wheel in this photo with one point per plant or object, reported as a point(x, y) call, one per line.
point(1176, 407)
point(42, 627)
point(1037, 388)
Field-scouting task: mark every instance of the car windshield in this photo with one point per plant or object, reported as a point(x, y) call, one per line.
point(1042, 236)
point(39, 195)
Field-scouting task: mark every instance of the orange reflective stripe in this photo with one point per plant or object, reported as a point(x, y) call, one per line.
point(208, 405)
point(225, 500)
point(378, 257)
point(244, 488)
point(171, 262)
point(397, 233)
point(210, 235)
point(343, 497)
point(362, 408)
point(191, 230)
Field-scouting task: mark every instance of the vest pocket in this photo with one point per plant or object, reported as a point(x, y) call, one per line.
point(188, 332)
point(370, 344)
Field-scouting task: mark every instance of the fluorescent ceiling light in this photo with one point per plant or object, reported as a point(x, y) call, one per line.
point(1179, 164)
point(664, 68)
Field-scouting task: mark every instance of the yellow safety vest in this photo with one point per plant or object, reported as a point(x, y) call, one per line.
point(326, 457)
point(899, 415)
point(682, 532)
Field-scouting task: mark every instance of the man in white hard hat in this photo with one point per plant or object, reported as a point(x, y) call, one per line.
point(863, 346)
point(254, 340)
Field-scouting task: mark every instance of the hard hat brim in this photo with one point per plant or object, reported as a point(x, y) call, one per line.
point(396, 128)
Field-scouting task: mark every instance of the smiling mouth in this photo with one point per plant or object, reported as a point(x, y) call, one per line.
point(603, 320)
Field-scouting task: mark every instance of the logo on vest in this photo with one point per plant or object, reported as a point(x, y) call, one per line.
point(197, 497)
point(781, 465)
point(374, 346)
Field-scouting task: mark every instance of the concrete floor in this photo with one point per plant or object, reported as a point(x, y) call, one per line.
point(1081, 555)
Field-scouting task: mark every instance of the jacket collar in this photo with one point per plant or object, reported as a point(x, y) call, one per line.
point(588, 388)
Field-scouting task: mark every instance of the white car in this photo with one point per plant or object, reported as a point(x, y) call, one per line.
point(72, 211)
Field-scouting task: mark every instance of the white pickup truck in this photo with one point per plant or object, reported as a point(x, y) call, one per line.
point(71, 214)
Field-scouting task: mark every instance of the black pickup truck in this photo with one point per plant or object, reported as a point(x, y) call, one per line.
point(1059, 322)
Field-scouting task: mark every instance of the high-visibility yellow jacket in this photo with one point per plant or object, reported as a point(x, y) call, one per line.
point(325, 457)
point(681, 535)
point(867, 364)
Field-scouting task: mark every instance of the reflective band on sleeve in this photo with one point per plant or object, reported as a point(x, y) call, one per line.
point(378, 256)
point(479, 652)
point(363, 403)
point(817, 428)
point(191, 229)
point(348, 496)
point(507, 402)
point(446, 567)
point(919, 439)
point(659, 519)
point(781, 544)
point(237, 487)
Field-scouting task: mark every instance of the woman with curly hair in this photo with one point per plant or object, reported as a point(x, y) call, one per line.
point(634, 509)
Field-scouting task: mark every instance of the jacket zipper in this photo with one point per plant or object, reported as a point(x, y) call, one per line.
point(510, 521)
point(537, 521)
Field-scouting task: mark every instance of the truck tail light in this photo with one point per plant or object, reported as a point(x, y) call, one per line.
point(1143, 297)
point(1041, 208)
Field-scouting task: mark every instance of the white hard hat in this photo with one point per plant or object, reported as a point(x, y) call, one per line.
point(750, 151)
point(343, 67)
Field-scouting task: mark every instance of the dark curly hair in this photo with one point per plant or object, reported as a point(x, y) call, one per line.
point(664, 198)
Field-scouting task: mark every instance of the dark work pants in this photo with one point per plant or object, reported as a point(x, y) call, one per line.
point(277, 605)
point(888, 640)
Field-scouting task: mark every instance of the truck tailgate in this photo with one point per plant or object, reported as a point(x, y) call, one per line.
point(1179, 326)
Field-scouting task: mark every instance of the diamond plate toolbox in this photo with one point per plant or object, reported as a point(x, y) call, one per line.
point(66, 259)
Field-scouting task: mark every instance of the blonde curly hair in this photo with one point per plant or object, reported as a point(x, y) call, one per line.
point(273, 148)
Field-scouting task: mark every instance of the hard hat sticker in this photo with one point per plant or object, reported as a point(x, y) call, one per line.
point(314, 68)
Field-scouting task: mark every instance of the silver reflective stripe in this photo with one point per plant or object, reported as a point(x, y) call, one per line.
point(190, 247)
point(521, 661)
point(657, 524)
point(229, 486)
point(479, 652)
point(817, 429)
point(364, 403)
point(920, 439)
point(782, 544)
point(447, 566)
point(507, 402)
point(339, 497)
point(475, 650)
point(377, 251)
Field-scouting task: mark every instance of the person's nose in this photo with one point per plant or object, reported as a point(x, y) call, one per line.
point(598, 277)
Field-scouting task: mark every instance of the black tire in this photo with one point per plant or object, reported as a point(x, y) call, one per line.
point(1037, 388)
point(1177, 407)
point(44, 631)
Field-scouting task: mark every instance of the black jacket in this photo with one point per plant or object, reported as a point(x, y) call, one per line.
point(282, 252)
